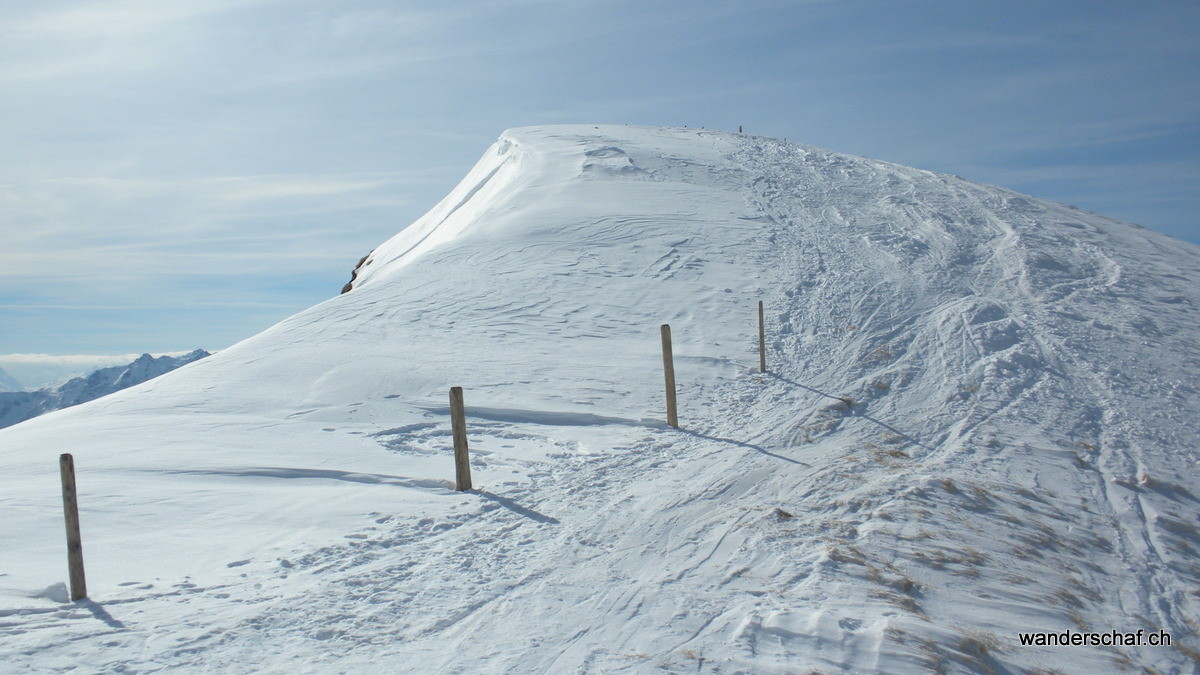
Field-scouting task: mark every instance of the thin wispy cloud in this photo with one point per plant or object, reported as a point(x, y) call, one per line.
point(159, 154)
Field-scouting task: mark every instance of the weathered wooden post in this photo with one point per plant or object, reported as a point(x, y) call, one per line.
point(458, 422)
point(669, 374)
point(762, 340)
point(66, 468)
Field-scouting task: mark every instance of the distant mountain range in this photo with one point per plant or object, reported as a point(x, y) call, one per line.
point(8, 382)
point(18, 406)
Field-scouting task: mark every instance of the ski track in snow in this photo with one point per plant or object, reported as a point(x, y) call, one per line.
point(980, 419)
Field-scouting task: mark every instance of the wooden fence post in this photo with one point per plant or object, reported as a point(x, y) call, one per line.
point(669, 374)
point(66, 468)
point(458, 422)
point(762, 340)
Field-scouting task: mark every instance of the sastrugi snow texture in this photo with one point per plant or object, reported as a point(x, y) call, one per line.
point(980, 419)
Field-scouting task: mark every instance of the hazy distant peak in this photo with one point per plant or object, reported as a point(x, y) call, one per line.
point(9, 383)
point(18, 406)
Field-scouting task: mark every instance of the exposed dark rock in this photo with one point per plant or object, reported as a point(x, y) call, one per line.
point(354, 274)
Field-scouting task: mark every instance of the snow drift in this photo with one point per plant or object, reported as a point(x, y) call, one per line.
point(980, 420)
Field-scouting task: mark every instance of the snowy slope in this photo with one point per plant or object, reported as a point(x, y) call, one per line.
point(18, 406)
point(981, 419)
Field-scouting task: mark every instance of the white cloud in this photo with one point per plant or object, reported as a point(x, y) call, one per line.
point(35, 371)
point(64, 360)
point(100, 226)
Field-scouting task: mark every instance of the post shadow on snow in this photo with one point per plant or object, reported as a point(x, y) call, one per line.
point(546, 417)
point(885, 425)
point(99, 612)
point(329, 474)
point(515, 507)
point(742, 444)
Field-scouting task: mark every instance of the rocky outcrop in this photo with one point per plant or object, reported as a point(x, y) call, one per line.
point(354, 273)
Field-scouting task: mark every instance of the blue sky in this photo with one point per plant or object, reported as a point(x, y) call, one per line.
point(184, 174)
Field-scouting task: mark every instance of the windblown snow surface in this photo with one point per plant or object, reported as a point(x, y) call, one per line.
point(980, 419)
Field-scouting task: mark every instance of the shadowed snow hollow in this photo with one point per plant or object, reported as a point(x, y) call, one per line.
point(980, 419)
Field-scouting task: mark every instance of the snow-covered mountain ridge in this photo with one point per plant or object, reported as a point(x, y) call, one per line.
point(980, 420)
point(18, 406)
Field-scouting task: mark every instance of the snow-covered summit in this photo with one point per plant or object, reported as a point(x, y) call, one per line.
point(980, 420)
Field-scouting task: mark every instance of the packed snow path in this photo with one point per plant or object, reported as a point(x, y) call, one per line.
point(980, 420)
